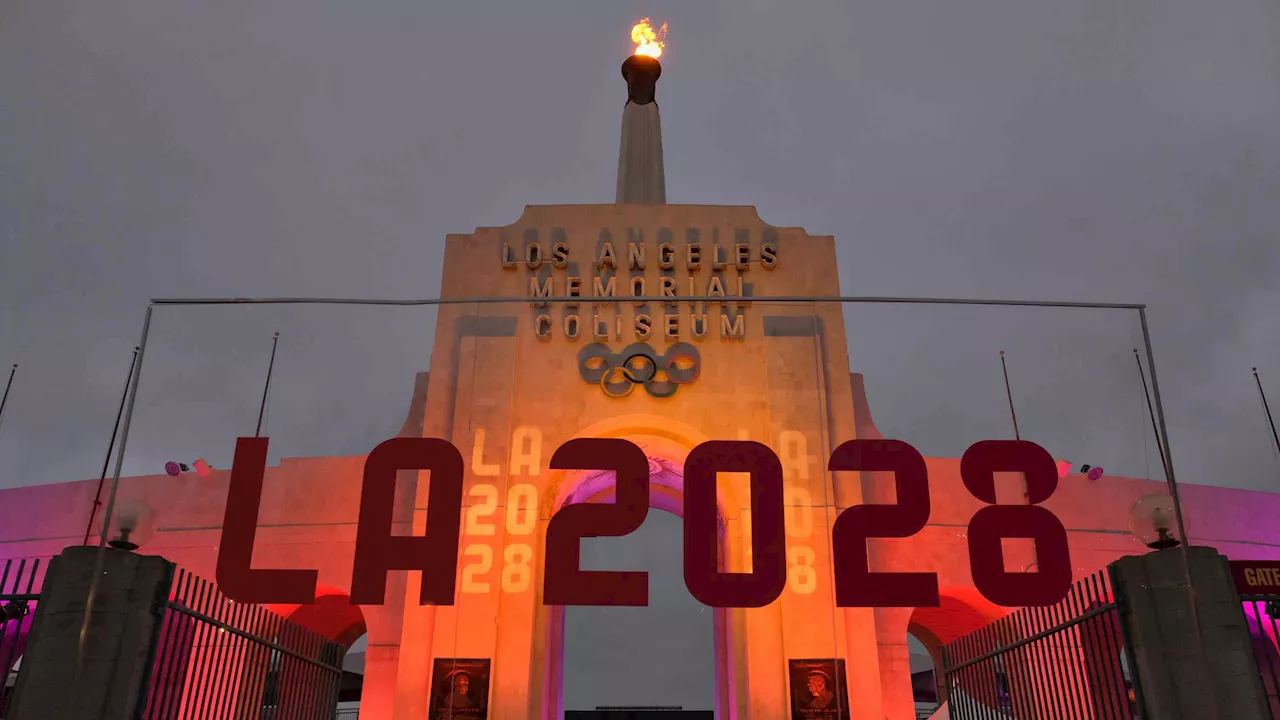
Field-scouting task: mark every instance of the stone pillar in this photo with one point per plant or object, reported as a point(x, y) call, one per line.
point(123, 622)
point(378, 696)
point(1182, 678)
point(894, 658)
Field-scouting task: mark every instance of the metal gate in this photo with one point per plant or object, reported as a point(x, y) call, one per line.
point(19, 595)
point(1262, 612)
point(214, 658)
point(1065, 661)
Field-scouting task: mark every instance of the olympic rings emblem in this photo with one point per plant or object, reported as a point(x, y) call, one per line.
point(618, 374)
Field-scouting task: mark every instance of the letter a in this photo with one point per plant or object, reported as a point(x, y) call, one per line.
point(436, 552)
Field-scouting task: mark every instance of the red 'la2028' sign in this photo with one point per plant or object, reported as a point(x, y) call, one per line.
point(435, 553)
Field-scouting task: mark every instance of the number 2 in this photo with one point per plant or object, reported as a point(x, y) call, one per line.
point(484, 553)
point(488, 505)
point(564, 583)
point(856, 586)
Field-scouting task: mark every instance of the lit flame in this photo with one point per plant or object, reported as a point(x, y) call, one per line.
point(649, 41)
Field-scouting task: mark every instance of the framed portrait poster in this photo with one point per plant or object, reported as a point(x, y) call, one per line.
point(819, 690)
point(459, 689)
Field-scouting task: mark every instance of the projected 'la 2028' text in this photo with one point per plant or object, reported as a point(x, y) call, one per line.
point(773, 565)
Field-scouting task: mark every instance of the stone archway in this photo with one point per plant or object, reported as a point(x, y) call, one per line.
point(666, 443)
point(331, 615)
point(960, 611)
point(927, 686)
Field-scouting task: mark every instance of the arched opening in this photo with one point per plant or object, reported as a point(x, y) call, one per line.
point(960, 611)
point(926, 667)
point(352, 679)
point(333, 616)
point(666, 449)
point(1126, 676)
point(663, 654)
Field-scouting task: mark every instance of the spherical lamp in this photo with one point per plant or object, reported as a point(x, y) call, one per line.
point(132, 524)
point(1154, 522)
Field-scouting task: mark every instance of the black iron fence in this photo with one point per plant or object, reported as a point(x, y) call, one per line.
point(19, 595)
point(1052, 663)
point(1262, 612)
point(214, 658)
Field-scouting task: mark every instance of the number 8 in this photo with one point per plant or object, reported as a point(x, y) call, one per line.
point(801, 576)
point(993, 523)
point(516, 573)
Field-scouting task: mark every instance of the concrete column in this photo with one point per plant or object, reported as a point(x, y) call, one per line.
point(378, 696)
point(123, 622)
point(1181, 677)
point(895, 680)
point(894, 659)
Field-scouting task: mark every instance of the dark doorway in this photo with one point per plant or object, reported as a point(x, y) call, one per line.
point(663, 654)
point(639, 714)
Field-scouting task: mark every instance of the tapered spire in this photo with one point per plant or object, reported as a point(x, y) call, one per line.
point(641, 177)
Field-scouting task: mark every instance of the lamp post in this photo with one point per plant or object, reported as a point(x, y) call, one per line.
point(132, 525)
point(1153, 521)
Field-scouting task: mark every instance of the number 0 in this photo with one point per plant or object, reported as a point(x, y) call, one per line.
point(522, 509)
point(702, 573)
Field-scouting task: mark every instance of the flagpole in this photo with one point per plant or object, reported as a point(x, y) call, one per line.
point(1270, 420)
point(5, 400)
point(1164, 465)
point(1009, 394)
point(1173, 492)
point(1164, 431)
point(126, 423)
point(124, 428)
point(275, 340)
point(106, 462)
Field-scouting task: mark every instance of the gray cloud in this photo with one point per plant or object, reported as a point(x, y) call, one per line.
point(1066, 150)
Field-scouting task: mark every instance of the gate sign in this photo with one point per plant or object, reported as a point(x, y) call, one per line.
point(1256, 577)
point(435, 553)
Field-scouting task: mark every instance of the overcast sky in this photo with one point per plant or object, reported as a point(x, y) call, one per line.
point(1046, 149)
